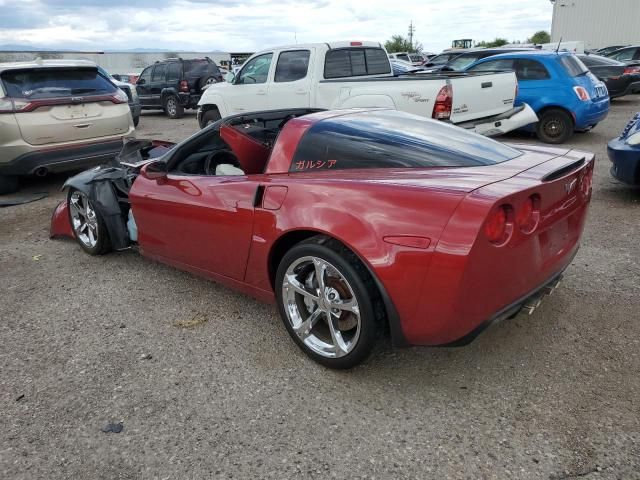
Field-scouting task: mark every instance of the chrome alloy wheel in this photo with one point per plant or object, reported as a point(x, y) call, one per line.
point(321, 307)
point(83, 219)
point(172, 106)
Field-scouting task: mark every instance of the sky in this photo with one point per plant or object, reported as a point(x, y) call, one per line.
point(251, 25)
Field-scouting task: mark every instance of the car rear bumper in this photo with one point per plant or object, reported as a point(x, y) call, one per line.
point(62, 159)
point(591, 113)
point(626, 162)
point(513, 119)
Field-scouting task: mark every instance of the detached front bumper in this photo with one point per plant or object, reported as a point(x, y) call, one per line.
point(517, 117)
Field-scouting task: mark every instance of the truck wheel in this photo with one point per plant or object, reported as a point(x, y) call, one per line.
point(172, 107)
point(8, 184)
point(209, 117)
point(136, 121)
point(554, 126)
point(326, 300)
point(87, 223)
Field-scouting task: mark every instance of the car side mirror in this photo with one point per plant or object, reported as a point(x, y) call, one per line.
point(155, 170)
point(141, 81)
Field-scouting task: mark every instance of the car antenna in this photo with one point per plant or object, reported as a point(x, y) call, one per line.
point(559, 43)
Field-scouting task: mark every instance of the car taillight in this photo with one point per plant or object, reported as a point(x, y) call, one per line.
point(582, 93)
point(528, 214)
point(444, 101)
point(120, 97)
point(499, 225)
point(184, 86)
point(631, 70)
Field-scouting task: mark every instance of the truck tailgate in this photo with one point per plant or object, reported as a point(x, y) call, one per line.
point(482, 95)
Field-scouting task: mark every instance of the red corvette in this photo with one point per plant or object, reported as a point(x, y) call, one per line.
point(351, 221)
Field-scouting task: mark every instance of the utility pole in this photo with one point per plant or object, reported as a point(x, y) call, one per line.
point(411, 31)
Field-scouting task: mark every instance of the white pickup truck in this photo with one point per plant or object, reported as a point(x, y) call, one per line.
point(359, 74)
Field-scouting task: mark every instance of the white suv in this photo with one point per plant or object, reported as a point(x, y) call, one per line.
point(58, 115)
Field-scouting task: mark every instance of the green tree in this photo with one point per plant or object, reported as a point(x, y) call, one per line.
point(398, 43)
point(498, 42)
point(540, 37)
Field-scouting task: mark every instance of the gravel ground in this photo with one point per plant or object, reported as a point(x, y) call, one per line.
point(207, 383)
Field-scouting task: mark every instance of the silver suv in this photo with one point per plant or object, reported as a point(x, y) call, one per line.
point(58, 115)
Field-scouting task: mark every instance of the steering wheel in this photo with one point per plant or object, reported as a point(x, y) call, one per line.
point(210, 169)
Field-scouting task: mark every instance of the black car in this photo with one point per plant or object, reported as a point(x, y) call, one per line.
point(607, 50)
point(462, 60)
point(175, 84)
point(628, 55)
point(619, 78)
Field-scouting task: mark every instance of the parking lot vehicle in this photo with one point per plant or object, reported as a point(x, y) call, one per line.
point(175, 84)
point(459, 62)
point(130, 91)
point(359, 74)
point(607, 50)
point(626, 54)
point(558, 86)
point(415, 59)
point(624, 153)
point(352, 221)
point(617, 76)
point(55, 116)
point(400, 67)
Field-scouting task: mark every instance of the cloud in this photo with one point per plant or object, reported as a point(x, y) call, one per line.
point(250, 25)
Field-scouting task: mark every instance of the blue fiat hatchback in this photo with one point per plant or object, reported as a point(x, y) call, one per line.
point(563, 92)
point(624, 153)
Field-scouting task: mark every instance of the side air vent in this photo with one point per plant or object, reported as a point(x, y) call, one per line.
point(561, 172)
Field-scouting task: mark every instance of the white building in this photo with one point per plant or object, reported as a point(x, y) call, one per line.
point(598, 23)
point(114, 62)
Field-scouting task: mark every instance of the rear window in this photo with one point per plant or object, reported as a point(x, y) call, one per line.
point(55, 83)
point(391, 139)
point(598, 61)
point(199, 68)
point(573, 65)
point(354, 62)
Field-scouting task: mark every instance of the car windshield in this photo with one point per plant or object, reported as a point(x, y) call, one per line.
point(440, 59)
point(463, 61)
point(573, 65)
point(41, 83)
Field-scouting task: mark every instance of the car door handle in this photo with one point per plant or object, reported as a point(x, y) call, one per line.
point(261, 92)
point(487, 84)
point(83, 125)
point(301, 91)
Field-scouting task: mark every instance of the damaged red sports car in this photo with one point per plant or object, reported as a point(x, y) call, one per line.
point(353, 221)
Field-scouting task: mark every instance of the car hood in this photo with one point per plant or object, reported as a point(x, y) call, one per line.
point(213, 90)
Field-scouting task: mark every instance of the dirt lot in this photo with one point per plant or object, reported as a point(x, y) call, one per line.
point(87, 341)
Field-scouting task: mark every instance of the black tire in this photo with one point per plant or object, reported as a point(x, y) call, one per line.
point(103, 243)
point(172, 107)
point(209, 117)
point(136, 121)
point(555, 126)
point(362, 285)
point(8, 184)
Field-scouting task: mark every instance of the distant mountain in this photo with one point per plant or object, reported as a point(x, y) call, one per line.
point(24, 48)
point(30, 48)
